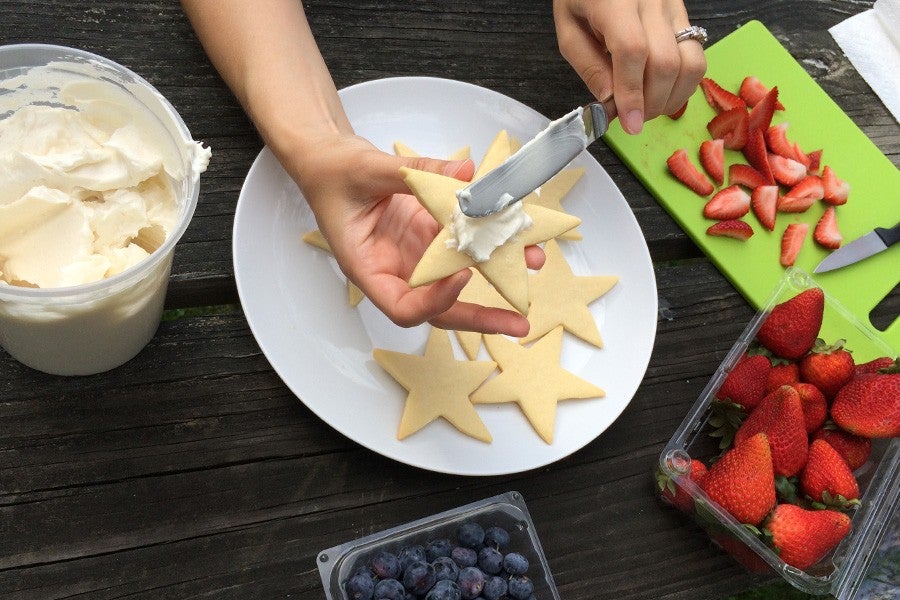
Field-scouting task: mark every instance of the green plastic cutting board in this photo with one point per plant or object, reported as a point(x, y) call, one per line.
point(814, 121)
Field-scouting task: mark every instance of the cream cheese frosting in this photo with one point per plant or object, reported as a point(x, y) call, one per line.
point(88, 190)
point(480, 236)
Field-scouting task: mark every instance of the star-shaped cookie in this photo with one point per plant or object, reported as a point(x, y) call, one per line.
point(559, 297)
point(438, 386)
point(532, 377)
point(550, 195)
point(505, 269)
point(478, 291)
point(315, 238)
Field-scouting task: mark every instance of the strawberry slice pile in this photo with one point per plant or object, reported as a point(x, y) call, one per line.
point(774, 173)
point(797, 417)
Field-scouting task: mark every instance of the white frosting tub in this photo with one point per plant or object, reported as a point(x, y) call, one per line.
point(95, 324)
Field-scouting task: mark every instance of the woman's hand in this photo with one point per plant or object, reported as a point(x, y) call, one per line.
point(626, 49)
point(378, 232)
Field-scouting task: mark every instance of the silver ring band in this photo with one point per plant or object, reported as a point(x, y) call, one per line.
point(693, 32)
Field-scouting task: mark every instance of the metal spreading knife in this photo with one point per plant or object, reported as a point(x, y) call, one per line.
point(878, 240)
point(534, 163)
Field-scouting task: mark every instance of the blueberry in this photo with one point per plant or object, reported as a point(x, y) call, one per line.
point(496, 537)
point(386, 565)
point(494, 588)
point(515, 563)
point(471, 582)
point(464, 557)
point(490, 560)
point(470, 535)
point(445, 568)
point(444, 590)
point(437, 548)
point(360, 586)
point(411, 554)
point(389, 589)
point(520, 587)
point(418, 577)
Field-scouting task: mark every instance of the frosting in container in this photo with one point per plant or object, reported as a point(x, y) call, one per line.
point(101, 179)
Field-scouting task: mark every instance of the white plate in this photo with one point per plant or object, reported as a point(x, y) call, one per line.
point(294, 296)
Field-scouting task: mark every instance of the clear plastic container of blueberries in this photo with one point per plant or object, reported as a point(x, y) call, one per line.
point(841, 572)
point(508, 510)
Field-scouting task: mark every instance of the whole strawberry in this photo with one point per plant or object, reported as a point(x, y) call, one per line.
point(793, 325)
point(742, 481)
point(671, 489)
point(869, 405)
point(745, 384)
point(814, 403)
point(803, 537)
point(828, 366)
point(780, 417)
point(826, 478)
point(875, 365)
point(854, 449)
point(783, 372)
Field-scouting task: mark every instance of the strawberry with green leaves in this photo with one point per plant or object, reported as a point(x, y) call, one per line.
point(742, 481)
point(672, 490)
point(869, 405)
point(780, 417)
point(827, 366)
point(875, 365)
point(793, 326)
point(803, 537)
point(783, 372)
point(745, 384)
point(827, 478)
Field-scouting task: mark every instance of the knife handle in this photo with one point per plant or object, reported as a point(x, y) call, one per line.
point(889, 236)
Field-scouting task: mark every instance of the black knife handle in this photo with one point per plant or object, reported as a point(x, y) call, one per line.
point(889, 236)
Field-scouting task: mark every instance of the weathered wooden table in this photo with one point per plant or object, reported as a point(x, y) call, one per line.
point(192, 471)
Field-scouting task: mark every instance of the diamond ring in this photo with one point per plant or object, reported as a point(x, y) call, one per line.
point(693, 32)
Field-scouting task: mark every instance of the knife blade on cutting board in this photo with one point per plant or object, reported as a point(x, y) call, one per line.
point(815, 121)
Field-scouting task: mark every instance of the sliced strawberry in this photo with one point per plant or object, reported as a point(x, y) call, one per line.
point(803, 195)
point(836, 191)
point(815, 160)
point(755, 153)
point(792, 242)
point(733, 228)
point(719, 98)
point(826, 233)
point(728, 203)
point(686, 172)
point(777, 141)
point(677, 114)
point(761, 114)
point(786, 171)
point(712, 157)
point(764, 202)
point(753, 90)
point(743, 174)
point(730, 126)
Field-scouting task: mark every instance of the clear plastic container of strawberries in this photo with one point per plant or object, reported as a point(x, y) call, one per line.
point(790, 458)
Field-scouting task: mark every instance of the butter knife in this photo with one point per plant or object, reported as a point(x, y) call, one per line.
point(534, 163)
point(877, 240)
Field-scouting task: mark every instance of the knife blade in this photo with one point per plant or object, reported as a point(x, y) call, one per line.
point(877, 240)
point(536, 162)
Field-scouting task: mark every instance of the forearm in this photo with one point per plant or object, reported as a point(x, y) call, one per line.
point(266, 53)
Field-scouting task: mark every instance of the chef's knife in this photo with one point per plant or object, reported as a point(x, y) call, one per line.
point(878, 240)
point(534, 163)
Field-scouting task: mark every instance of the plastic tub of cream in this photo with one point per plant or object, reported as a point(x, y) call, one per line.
point(140, 183)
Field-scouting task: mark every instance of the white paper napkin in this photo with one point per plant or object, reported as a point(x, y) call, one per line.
point(871, 40)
